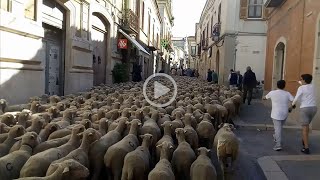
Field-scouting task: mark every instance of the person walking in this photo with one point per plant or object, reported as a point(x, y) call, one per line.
point(281, 100)
point(306, 94)
point(233, 77)
point(249, 82)
point(196, 73)
point(173, 71)
point(214, 77)
point(239, 81)
point(209, 75)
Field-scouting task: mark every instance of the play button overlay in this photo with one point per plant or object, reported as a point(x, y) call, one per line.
point(160, 86)
point(160, 90)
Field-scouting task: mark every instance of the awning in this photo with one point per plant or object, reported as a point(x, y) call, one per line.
point(134, 42)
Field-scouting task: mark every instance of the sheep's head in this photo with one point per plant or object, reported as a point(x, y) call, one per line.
point(16, 131)
point(165, 147)
point(52, 127)
point(35, 106)
point(31, 139)
point(8, 118)
point(180, 132)
point(72, 168)
point(3, 105)
point(22, 117)
point(91, 135)
point(203, 151)
point(227, 126)
point(147, 139)
point(87, 123)
point(78, 129)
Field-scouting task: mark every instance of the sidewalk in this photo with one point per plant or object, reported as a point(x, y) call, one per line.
point(256, 143)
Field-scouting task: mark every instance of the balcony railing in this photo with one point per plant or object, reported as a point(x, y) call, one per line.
point(130, 20)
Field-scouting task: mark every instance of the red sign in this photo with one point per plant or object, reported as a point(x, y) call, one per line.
point(122, 43)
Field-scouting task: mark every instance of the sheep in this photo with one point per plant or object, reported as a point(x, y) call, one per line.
point(137, 163)
point(202, 168)
point(48, 129)
point(36, 127)
point(11, 164)
point(191, 134)
point(227, 146)
point(167, 137)
point(66, 120)
point(4, 128)
point(114, 157)
point(38, 164)
point(3, 106)
point(206, 131)
point(182, 157)
point(103, 126)
point(177, 122)
point(237, 100)
point(7, 119)
point(69, 169)
point(80, 154)
point(14, 132)
point(229, 105)
point(163, 169)
point(99, 148)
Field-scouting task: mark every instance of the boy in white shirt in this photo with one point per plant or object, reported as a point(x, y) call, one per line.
point(280, 110)
point(306, 94)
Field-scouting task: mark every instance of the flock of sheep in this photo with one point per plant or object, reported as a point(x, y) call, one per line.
point(111, 132)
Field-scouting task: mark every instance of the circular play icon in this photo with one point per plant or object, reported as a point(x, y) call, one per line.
point(160, 90)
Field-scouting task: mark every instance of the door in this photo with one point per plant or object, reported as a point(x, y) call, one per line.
point(53, 69)
point(279, 71)
point(52, 43)
point(98, 36)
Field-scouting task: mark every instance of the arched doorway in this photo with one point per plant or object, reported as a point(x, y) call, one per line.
point(53, 46)
point(99, 37)
point(279, 63)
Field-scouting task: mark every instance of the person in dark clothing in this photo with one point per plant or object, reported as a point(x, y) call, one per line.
point(209, 75)
point(214, 77)
point(249, 82)
point(161, 71)
point(136, 73)
point(233, 78)
point(239, 81)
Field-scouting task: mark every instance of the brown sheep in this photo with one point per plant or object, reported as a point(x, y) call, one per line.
point(80, 154)
point(69, 169)
point(37, 165)
point(14, 132)
point(163, 169)
point(7, 119)
point(114, 157)
point(11, 164)
point(182, 157)
point(99, 148)
point(137, 163)
point(202, 168)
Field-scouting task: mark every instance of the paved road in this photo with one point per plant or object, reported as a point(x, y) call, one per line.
point(291, 169)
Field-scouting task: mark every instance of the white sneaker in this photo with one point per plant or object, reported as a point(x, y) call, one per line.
point(277, 148)
point(274, 138)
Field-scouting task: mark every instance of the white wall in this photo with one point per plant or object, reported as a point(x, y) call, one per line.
point(251, 51)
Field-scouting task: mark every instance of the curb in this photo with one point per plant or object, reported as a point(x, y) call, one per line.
point(271, 169)
point(263, 126)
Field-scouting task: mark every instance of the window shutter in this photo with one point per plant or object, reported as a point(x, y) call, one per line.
point(243, 9)
point(266, 12)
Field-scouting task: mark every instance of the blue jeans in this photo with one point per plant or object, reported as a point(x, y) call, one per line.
point(278, 124)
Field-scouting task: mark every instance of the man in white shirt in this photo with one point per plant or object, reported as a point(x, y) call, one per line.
point(308, 108)
point(280, 104)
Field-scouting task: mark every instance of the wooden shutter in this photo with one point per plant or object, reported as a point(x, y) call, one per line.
point(243, 9)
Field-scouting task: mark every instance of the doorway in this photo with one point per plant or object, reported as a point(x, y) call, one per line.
point(279, 63)
point(217, 62)
point(99, 53)
point(53, 47)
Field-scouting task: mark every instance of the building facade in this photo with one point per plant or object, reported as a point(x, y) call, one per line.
point(192, 48)
point(293, 45)
point(66, 46)
point(232, 36)
point(181, 52)
point(166, 48)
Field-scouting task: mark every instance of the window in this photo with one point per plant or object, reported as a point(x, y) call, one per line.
point(82, 16)
point(255, 8)
point(193, 50)
point(134, 6)
point(5, 5)
point(30, 9)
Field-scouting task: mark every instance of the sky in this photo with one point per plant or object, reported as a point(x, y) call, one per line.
point(186, 14)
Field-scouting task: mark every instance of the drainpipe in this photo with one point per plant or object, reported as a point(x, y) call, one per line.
point(301, 38)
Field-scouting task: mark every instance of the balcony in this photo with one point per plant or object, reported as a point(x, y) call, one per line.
point(204, 44)
point(130, 21)
point(274, 3)
point(216, 32)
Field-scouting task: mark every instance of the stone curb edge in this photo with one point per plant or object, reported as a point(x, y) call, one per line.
point(271, 169)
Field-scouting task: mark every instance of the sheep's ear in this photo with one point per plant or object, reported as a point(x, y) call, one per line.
point(139, 124)
point(65, 170)
point(170, 147)
point(231, 126)
point(185, 131)
point(162, 125)
point(159, 146)
point(90, 134)
point(208, 150)
point(141, 136)
point(220, 126)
